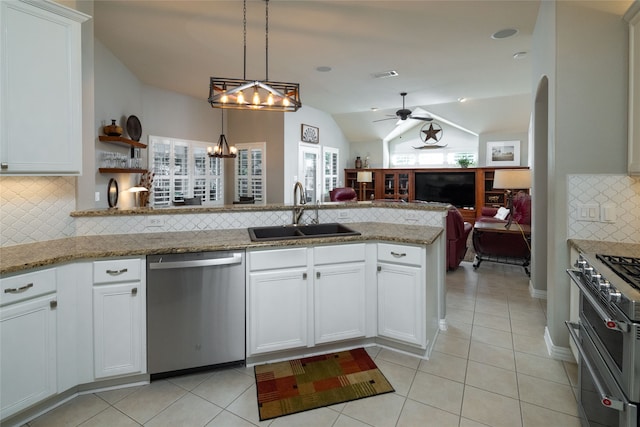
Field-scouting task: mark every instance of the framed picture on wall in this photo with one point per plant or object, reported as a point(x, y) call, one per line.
point(310, 134)
point(503, 153)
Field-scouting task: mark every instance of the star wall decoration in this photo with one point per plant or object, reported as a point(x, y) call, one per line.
point(430, 134)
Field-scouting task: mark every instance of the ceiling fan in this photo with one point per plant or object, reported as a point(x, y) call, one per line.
point(404, 113)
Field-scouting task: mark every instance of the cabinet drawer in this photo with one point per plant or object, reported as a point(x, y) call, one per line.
point(400, 254)
point(28, 285)
point(116, 270)
point(278, 258)
point(336, 254)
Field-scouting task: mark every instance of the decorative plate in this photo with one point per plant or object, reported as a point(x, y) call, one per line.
point(134, 129)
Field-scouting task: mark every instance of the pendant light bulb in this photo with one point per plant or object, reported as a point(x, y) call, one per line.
point(270, 100)
point(285, 101)
point(240, 98)
point(224, 98)
point(256, 97)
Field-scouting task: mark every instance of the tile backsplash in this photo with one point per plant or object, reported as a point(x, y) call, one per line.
point(34, 209)
point(620, 191)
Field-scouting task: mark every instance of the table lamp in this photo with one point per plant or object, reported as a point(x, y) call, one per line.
point(363, 178)
point(509, 180)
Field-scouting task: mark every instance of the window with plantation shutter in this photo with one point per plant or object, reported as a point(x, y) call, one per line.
point(250, 176)
point(184, 170)
point(331, 173)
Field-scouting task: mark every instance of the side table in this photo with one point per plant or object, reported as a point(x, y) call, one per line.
point(495, 243)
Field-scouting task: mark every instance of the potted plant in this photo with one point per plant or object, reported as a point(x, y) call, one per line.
point(465, 161)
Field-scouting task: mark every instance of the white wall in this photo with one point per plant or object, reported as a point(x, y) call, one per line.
point(330, 136)
point(586, 65)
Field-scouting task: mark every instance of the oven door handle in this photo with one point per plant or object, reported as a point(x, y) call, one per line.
point(605, 399)
point(610, 323)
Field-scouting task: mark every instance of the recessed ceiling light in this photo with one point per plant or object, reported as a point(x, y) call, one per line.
point(323, 68)
point(462, 99)
point(519, 55)
point(374, 108)
point(385, 74)
point(504, 34)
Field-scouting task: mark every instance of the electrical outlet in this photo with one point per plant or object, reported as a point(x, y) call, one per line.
point(411, 216)
point(97, 196)
point(154, 221)
point(343, 214)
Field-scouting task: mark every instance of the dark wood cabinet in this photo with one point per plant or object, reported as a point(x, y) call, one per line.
point(399, 184)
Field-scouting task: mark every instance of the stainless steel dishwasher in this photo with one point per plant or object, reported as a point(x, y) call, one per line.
point(195, 311)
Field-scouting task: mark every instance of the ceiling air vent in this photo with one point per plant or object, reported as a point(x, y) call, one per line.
point(385, 74)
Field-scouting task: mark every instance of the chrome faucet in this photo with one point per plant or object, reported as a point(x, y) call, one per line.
point(298, 210)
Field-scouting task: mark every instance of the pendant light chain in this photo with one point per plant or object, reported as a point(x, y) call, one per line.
point(266, 41)
point(244, 37)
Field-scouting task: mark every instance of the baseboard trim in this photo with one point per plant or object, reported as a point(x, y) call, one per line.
point(557, 352)
point(536, 293)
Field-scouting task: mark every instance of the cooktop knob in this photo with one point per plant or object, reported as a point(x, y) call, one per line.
point(614, 296)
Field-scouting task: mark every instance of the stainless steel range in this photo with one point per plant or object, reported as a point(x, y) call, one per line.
point(608, 339)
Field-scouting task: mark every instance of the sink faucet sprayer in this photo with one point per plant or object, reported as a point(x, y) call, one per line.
point(298, 210)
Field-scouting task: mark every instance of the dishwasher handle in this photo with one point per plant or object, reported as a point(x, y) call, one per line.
point(236, 258)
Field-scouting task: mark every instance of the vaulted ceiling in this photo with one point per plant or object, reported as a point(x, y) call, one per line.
point(441, 50)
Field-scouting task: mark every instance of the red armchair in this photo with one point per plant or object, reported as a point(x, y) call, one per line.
point(343, 194)
point(509, 248)
point(457, 233)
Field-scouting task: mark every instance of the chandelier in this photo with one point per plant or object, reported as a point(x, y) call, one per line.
point(222, 149)
point(243, 94)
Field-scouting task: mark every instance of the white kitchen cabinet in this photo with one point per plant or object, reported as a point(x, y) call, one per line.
point(633, 17)
point(41, 88)
point(119, 318)
point(277, 298)
point(27, 340)
point(401, 294)
point(75, 325)
point(339, 293)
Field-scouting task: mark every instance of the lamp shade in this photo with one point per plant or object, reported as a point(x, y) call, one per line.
point(510, 179)
point(364, 177)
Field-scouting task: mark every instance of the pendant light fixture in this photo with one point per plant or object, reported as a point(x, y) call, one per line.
point(243, 94)
point(222, 149)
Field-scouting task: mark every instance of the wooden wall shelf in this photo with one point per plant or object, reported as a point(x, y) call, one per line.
point(122, 141)
point(121, 170)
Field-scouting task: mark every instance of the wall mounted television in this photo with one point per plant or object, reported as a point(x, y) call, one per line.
point(456, 188)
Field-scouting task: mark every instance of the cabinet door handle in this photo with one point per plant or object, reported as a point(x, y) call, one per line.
point(317, 274)
point(134, 291)
point(398, 255)
point(379, 268)
point(53, 304)
point(4, 165)
point(116, 272)
point(18, 290)
point(304, 276)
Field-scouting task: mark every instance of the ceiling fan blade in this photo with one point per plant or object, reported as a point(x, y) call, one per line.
point(382, 120)
point(424, 119)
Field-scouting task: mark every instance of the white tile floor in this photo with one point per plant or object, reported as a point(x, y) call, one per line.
point(490, 368)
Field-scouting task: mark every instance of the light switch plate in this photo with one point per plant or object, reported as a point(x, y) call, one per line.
point(589, 212)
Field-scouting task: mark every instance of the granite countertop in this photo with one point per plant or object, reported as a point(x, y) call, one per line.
point(33, 255)
point(430, 206)
point(609, 248)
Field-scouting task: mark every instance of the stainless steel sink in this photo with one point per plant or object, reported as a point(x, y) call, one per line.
point(286, 232)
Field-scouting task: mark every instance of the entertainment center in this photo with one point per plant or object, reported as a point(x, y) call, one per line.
point(468, 189)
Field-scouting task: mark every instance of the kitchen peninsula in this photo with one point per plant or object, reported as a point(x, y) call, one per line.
point(399, 256)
